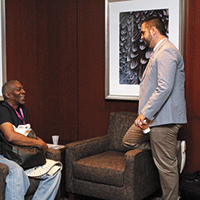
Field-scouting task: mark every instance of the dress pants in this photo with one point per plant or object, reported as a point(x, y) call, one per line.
point(162, 140)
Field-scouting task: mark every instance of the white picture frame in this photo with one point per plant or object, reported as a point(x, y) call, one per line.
point(3, 72)
point(114, 90)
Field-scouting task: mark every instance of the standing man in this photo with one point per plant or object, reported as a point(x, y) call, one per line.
point(161, 106)
point(13, 112)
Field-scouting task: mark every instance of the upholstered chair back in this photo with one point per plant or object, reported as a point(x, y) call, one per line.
point(119, 123)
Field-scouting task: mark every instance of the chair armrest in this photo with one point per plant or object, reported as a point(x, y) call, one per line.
point(4, 170)
point(84, 148)
point(81, 149)
point(140, 172)
point(53, 154)
point(130, 163)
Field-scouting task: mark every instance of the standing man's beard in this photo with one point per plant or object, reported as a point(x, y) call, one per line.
point(147, 41)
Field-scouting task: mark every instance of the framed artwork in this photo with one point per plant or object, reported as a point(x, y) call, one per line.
point(125, 53)
point(3, 47)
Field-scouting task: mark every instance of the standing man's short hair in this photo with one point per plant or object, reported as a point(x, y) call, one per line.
point(157, 22)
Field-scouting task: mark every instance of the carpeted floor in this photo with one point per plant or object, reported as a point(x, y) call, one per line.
point(81, 197)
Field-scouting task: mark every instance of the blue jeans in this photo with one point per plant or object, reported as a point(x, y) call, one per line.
point(17, 183)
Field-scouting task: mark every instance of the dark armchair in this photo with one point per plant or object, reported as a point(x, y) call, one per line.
point(4, 170)
point(103, 167)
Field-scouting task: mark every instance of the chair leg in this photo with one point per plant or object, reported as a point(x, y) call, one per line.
point(71, 196)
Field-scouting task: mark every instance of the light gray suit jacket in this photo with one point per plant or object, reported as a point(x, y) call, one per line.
point(162, 88)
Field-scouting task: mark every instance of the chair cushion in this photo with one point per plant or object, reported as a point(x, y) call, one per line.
point(33, 186)
point(119, 123)
point(106, 168)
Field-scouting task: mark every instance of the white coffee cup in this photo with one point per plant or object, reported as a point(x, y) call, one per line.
point(55, 139)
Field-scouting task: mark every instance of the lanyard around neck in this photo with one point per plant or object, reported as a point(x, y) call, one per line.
point(21, 117)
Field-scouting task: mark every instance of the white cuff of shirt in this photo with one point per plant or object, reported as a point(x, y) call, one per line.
point(146, 130)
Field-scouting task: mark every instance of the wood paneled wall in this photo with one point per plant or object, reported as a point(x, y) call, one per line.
point(56, 49)
point(191, 131)
point(42, 54)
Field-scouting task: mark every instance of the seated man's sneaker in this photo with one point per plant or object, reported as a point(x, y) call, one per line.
point(181, 148)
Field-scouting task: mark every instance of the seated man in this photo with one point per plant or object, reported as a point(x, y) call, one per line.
point(13, 112)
